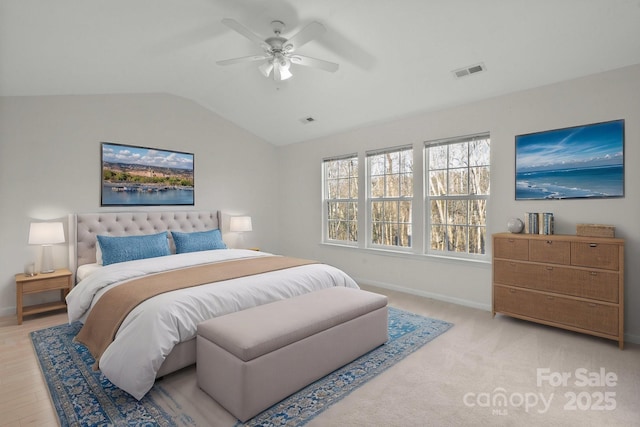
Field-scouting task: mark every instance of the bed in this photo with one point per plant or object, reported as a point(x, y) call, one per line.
point(157, 337)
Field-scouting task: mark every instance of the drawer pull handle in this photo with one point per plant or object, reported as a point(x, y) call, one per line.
point(594, 273)
point(550, 298)
point(549, 242)
point(511, 240)
point(592, 305)
point(549, 268)
point(512, 264)
point(512, 291)
point(593, 245)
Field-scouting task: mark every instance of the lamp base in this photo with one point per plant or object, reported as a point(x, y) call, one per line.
point(47, 259)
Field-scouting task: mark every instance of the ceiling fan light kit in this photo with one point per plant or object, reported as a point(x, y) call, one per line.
point(279, 51)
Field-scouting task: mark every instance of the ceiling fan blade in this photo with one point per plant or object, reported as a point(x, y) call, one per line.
point(238, 27)
point(305, 35)
point(315, 63)
point(251, 58)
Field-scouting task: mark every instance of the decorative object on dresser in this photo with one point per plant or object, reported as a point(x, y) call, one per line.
point(539, 223)
point(46, 234)
point(571, 282)
point(57, 280)
point(595, 230)
point(515, 225)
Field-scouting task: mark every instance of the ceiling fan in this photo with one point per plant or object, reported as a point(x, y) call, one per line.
point(279, 52)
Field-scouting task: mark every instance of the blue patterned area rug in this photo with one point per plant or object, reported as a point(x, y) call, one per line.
point(83, 397)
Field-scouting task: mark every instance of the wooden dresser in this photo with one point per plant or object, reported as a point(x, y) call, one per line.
point(572, 282)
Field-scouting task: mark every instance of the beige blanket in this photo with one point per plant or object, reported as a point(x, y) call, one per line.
point(107, 315)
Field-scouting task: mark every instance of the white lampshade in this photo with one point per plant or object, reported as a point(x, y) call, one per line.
point(240, 223)
point(46, 234)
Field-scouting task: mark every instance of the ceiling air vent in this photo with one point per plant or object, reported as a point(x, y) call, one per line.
point(306, 120)
point(467, 71)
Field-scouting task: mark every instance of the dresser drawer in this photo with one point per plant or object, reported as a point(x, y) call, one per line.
point(516, 273)
point(551, 251)
point(599, 285)
point(563, 310)
point(504, 247)
point(516, 301)
point(596, 255)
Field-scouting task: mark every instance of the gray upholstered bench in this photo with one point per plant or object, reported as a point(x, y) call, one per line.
point(249, 360)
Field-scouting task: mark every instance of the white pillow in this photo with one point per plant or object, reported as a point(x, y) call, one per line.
point(85, 270)
point(98, 253)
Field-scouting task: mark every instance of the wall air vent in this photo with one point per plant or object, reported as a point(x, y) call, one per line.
point(467, 71)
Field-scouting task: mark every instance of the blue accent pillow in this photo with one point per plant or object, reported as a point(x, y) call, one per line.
point(129, 248)
point(198, 241)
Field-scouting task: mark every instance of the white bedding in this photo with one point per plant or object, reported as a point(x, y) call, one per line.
point(153, 328)
point(85, 270)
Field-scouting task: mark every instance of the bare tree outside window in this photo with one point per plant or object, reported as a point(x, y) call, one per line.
point(341, 199)
point(391, 196)
point(458, 173)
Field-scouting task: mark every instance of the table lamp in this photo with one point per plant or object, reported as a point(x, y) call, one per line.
point(46, 234)
point(240, 224)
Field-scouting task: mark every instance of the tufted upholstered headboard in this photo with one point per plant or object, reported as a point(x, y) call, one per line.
point(84, 227)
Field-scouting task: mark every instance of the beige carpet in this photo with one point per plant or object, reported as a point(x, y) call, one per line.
point(457, 379)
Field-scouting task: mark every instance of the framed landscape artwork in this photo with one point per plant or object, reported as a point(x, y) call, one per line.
point(577, 162)
point(141, 176)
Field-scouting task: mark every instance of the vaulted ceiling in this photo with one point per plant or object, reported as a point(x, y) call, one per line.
point(396, 57)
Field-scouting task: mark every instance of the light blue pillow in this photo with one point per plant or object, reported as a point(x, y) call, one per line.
point(128, 248)
point(198, 241)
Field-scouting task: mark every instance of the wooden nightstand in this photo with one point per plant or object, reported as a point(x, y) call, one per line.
point(59, 279)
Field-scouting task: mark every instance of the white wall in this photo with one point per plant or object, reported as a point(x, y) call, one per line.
point(50, 166)
point(607, 96)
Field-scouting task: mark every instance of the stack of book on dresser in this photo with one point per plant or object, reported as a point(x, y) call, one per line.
point(539, 223)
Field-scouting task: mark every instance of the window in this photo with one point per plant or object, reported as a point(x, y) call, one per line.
point(391, 196)
point(457, 190)
point(341, 199)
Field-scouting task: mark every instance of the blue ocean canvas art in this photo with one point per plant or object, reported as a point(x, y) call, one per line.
point(578, 162)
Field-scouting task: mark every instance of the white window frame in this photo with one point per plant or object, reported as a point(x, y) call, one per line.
point(326, 200)
point(470, 198)
point(399, 199)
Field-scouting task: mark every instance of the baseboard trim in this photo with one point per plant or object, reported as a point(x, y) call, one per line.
point(7, 311)
point(635, 339)
point(420, 293)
